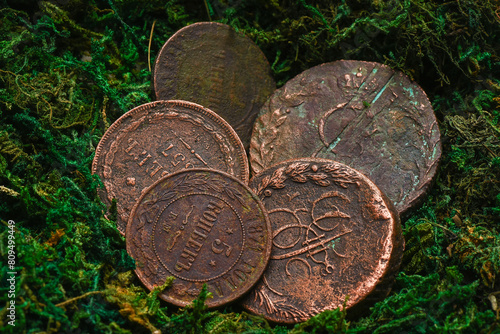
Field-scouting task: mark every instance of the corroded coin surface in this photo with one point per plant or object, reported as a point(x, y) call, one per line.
point(362, 114)
point(200, 226)
point(211, 64)
point(159, 138)
point(335, 234)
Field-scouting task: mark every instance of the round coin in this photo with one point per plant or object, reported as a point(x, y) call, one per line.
point(202, 227)
point(363, 114)
point(335, 236)
point(159, 138)
point(211, 64)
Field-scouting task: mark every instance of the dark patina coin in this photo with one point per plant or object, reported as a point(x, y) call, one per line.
point(211, 64)
point(359, 113)
point(335, 235)
point(159, 138)
point(202, 227)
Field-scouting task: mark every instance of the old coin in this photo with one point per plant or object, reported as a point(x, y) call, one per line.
point(363, 114)
point(211, 64)
point(156, 139)
point(203, 227)
point(335, 234)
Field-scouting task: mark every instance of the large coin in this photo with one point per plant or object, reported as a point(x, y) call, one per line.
point(211, 64)
point(335, 235)
point(359, 113)
point(156, 139)
point(202, 227)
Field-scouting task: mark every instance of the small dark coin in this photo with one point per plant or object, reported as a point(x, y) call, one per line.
point(158, 138)
point(211, 64)
point(363, 114)
point(335, 234)
point(203, 227)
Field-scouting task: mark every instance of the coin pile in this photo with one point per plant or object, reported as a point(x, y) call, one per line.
point(337, 155)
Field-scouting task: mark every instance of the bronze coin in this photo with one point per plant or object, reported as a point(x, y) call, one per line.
point(335, 234)
point(211, 64)
point(363, 114)
point(159, 138)
point(203, 227)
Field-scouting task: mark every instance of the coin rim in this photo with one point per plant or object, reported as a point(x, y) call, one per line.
point(260, 271)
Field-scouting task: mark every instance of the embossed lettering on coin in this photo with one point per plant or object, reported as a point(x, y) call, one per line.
point(158, 138)
point(211, 64)
point(334, 235)
point(359, 113)
point(200, 226)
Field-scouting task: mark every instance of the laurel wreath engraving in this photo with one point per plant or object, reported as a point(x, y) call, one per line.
point(302, 172)
point(261, 144)
point(280, 308)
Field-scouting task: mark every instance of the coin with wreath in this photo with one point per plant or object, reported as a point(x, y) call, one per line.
point(336, 236)
point(200, 226)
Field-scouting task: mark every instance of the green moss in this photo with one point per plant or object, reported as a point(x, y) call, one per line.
point(70, 68)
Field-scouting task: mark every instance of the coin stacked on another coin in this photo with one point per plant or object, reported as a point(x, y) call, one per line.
point(201, 226)
point(158, 138)
point(363, 114)
point(179, 172)
point(211, 64)
point(325, 150)
point(337, 237)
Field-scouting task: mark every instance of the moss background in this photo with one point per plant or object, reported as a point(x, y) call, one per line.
point(69, 68)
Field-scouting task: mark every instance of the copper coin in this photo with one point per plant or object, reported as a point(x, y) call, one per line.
point(335, 234)
point(202, 227)
point(211, 64)
point(159, 138)
point(363, 114)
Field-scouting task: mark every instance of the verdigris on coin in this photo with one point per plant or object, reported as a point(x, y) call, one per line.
point(363, 114)
point(159, 138)
point(211, 64)
point(202, 227)
point(335, 235)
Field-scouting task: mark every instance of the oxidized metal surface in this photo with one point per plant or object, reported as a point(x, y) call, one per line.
point(211, 64)
point(200, 226)
point(335, 234)
point(159, 138)
point(362, 114)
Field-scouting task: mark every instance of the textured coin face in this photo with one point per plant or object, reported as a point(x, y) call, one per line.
point(211, 64)
point(159, 138)
point(359, 113)
point(334, 235)
point(200, 226)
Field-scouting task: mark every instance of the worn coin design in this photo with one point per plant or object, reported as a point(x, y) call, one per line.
point(211, 64)
point(363, 114)
point(335, 234)
point(159, 138)
point(203, 227)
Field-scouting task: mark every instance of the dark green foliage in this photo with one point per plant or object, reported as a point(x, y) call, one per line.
point(431, 304)
point(69, 68)
point(327, 322)
point(194, 317)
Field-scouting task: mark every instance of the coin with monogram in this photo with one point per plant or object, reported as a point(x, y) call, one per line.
point(363, 114)
point(336, 240)
point(211, 64)
point(158, 138)
point(203, 227)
